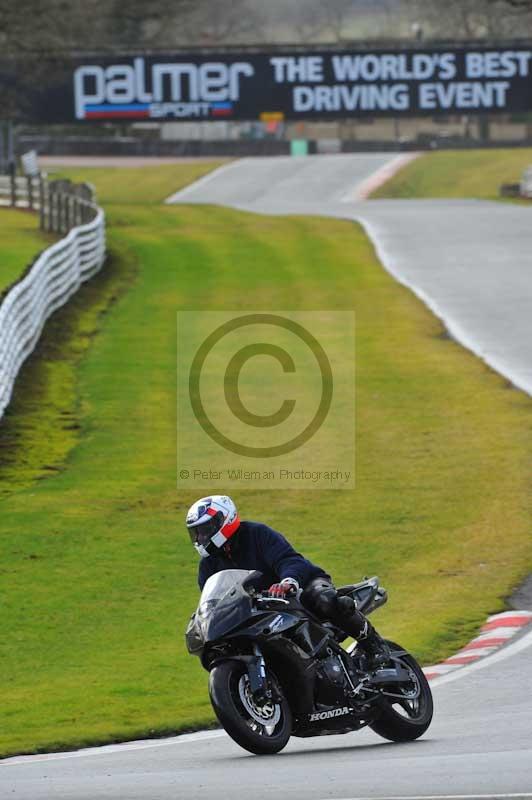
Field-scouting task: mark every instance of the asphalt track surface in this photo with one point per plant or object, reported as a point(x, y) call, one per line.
point(471, 261)
point(479, 745)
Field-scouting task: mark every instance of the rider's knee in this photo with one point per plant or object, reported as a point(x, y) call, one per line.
point(346, 606)
point(321, 599)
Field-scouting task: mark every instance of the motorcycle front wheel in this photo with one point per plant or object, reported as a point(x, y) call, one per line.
point(260, 728)
point(406, 716)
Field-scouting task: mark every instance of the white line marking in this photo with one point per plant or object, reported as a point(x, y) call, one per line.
point(124, 747)
point(179, 195)
point(497, 796)
point(453, 327)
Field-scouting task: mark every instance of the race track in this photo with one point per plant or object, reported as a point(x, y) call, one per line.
point(479, 745)
point(471, 262)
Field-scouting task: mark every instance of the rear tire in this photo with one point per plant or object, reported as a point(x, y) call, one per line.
point(230, 698)
point(415, 717)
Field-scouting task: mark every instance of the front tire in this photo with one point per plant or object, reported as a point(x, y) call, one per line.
point(406, 720)
point(260, 729)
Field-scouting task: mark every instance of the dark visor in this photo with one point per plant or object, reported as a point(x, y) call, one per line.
point(202, 534)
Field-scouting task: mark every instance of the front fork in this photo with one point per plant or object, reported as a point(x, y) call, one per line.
point(256, 670)
point(257, 676)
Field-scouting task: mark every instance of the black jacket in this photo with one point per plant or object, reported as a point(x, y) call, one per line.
point(257, 546)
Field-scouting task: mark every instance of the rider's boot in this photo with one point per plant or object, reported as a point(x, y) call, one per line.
point(358, 626)
point(373, 646)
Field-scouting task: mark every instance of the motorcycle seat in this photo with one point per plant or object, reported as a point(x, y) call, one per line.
point(351, 587)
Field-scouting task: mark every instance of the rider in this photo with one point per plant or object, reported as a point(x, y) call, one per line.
point(225, 542)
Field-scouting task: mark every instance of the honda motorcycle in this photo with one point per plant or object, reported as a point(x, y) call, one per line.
point(277, 671)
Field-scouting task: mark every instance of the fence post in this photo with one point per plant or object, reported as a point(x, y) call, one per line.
point(50, 200)
point(29, 181)
point(53, 211)
point(42, 222)
point(62, 212)
point(13, 182)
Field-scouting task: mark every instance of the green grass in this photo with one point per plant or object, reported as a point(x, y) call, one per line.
point(458, 173)
point(20, 241)
point(98, 576)
point(141, 185)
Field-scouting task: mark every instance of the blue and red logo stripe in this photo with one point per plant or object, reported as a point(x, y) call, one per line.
point(111, 111)
point(142, 110)
point(221, 109)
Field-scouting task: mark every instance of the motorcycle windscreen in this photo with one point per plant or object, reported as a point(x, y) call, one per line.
point(221, 582)
point(224, 603)
point(193, 637)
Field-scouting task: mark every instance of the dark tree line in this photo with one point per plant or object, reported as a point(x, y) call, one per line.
point(66, 26)
point(56, 26)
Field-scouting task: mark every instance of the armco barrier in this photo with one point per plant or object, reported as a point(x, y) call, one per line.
point(47, 285)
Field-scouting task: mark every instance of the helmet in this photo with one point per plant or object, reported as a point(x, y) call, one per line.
point(211, 521)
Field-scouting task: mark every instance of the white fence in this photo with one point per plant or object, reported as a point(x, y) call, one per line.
point(56, 274)
point(20, 191)
point(525, 187)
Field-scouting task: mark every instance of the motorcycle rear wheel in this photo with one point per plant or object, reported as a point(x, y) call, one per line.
point(239, 714)
point(405, 720)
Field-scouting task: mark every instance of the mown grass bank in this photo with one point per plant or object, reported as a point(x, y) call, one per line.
point(141, 185)
point(458, 173)
point(99, 577)
point(20, 242)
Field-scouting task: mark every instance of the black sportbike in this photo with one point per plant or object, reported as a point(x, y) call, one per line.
point(277, 671)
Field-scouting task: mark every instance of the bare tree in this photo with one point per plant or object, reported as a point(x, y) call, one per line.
point(455, 22)
point(517, 16)
point(525, 5)
point(29, 25)
point(307, 19)
point(337, 14)
point(56, 26)
point(473, 19)
point(223, 22)
point(135, 23)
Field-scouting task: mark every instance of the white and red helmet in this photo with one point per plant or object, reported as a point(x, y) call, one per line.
point(211, 521)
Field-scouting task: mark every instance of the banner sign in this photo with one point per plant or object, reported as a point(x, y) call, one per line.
point(313, 85)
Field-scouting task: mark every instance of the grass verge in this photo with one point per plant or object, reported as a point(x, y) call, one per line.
point(21, 242)
point(141, 185)
point(98, 577)
point(458, 173)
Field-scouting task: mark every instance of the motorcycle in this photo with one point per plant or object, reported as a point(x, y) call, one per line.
point(276, 670)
